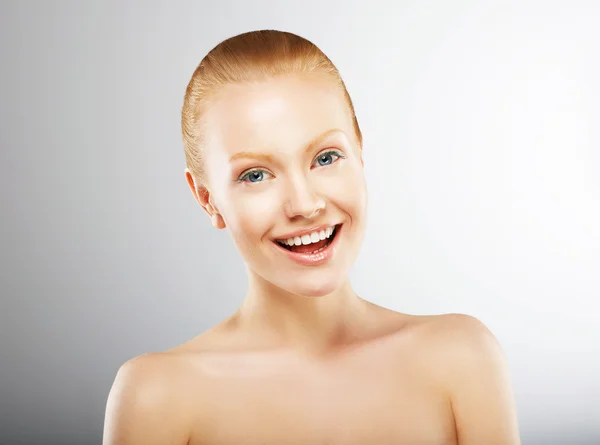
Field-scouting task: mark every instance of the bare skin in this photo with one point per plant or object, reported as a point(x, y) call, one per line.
point(305, 360)
point(390, 379)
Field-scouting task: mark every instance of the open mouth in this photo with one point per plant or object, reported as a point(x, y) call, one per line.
point(311, 243)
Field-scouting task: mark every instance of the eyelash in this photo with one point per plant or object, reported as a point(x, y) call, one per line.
point(337, 153)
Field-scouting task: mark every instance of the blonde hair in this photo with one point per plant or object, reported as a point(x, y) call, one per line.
point(248, 57)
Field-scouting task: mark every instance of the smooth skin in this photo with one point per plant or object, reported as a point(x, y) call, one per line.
point(305, 360)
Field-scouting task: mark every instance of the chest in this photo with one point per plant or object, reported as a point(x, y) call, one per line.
point(358, 404)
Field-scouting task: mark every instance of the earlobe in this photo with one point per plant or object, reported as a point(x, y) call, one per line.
point(217, 221)
point(215, 217)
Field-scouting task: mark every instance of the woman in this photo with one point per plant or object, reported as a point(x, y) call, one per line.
point(274, 154)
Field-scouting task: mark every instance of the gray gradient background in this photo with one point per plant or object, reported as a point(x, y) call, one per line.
point(482, 151)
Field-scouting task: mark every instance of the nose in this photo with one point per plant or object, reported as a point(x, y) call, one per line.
point(302, 201)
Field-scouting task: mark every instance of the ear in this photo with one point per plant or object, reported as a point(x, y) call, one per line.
point(204, 198)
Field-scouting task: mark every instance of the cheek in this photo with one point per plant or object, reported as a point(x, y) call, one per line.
point(348, 190)
point(251, 214)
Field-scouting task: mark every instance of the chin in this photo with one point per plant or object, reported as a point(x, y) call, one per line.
point(312, 288)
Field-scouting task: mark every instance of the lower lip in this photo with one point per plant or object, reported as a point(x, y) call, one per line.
point(314, 259)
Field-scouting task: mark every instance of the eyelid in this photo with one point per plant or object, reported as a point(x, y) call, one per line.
point(331, 150)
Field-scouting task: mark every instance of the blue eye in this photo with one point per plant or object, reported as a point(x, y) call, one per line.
point(329, 157)
point(259, 175)
point(253, 176)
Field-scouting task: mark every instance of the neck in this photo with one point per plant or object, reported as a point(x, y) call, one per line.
point(279, 318)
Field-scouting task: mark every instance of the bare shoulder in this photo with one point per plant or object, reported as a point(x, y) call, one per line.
point(438, 333)
point(459, 346)
point(145, 404)
point(471, 365)
point(460, 332)
point(160, 397)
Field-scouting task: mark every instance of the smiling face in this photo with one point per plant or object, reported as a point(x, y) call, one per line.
point(283, 166)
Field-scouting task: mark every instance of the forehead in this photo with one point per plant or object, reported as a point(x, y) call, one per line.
point(280, 114)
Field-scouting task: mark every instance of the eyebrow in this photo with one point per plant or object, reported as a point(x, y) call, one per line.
point(269, 158)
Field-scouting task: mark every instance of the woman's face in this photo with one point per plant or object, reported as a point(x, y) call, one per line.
point(282, 161)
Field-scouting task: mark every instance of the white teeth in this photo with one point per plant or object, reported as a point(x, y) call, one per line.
point(313, 237)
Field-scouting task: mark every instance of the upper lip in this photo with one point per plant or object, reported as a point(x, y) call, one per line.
point(300, 233)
